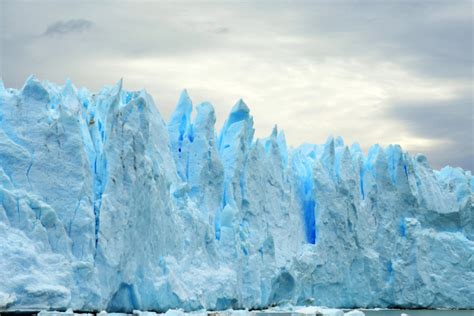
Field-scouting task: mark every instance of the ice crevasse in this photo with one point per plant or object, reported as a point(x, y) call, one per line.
point(104, 206)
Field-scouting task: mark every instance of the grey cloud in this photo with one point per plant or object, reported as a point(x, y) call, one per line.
point(431, 38)
point(453, 154)
point(436, 119)
point(68, 26)
point(222, 30)
point(450, 121)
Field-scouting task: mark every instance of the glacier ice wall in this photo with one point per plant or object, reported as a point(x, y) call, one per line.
point(105, 206)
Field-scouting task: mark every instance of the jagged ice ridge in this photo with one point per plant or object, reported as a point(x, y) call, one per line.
point(104, 206)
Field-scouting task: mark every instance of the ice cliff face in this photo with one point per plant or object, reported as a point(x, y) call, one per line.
point(105, 206)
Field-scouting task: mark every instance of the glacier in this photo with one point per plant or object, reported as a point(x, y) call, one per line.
point(104, 206)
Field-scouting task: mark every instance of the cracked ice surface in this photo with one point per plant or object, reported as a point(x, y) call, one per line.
point(104, 206)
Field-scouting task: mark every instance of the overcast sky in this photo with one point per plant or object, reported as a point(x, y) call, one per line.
point(369, 71)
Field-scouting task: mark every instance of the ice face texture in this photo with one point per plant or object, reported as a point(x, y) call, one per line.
point(104, 206)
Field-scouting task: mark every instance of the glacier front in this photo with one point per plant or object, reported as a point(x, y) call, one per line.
point(104, 206)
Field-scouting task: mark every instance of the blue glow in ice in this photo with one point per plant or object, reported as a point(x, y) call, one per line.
point(105, 206)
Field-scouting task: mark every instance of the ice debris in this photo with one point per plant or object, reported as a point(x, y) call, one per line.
point(104, 206)
point(293, 311)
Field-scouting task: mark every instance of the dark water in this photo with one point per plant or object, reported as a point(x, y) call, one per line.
point(419, 312)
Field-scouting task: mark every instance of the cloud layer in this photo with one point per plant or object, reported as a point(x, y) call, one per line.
point(373, 72)
point(69, 26)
